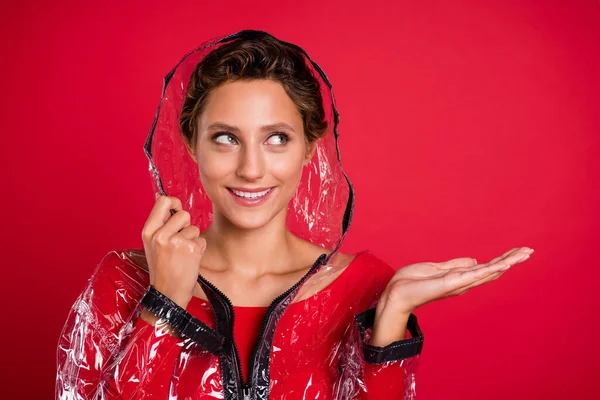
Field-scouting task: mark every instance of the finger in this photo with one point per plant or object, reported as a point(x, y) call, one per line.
point(189, 237)
point(509, 260)
point(522, 251)
point(468, 262)
point(462, 262)
point(180, 220)
point(513, 259)
point(466, 267)
point(160, 213)
point(188, 233)
point(459, 263)
point(488, 278)
point(200, 243)
point(456, 281)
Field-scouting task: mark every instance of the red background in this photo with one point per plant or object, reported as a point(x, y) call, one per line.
point(467, 128)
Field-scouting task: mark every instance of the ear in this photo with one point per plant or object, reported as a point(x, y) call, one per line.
point(310, 151)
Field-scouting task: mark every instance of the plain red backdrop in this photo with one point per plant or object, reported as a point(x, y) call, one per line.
point(467, 128)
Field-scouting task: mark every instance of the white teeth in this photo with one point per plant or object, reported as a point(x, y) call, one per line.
point(250, 195)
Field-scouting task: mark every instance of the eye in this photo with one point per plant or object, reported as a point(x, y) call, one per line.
point(278, 139)
point(224, 138)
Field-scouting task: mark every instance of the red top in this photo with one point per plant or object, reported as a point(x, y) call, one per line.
point(246, 328)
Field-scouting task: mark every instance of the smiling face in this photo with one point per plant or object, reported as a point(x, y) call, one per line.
point(250, 150)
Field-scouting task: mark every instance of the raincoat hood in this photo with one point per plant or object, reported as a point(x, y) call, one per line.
point(321, 209)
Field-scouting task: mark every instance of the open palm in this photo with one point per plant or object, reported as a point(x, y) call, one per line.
point(417, 284)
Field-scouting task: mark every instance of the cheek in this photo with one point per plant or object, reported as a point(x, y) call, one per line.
point(214, 166)
point(286, 168)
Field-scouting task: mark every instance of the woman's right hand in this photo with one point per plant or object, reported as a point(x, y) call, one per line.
point(173, 250)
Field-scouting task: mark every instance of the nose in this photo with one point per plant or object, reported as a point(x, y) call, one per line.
point(251, 166)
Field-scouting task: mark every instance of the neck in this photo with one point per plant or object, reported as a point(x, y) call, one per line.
point(250, 252)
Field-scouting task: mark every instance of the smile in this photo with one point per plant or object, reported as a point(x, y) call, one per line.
point(251, 195)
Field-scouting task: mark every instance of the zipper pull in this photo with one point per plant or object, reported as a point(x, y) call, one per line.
point(246, 391)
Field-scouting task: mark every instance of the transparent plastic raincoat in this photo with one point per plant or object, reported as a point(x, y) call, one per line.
point(311, 345)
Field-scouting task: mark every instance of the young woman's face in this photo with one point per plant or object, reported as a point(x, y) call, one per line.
point(250, 151)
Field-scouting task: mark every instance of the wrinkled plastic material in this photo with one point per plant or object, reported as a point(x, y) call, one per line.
point(313, 343)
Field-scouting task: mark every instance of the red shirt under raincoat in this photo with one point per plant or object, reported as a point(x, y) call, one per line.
point(308, 346)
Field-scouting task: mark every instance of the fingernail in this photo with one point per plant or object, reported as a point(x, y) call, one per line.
point(530, 251)
point(475, 260)
point(505, 268)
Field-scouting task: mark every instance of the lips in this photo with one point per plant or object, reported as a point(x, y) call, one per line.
point(251, 197)
point(250, 194)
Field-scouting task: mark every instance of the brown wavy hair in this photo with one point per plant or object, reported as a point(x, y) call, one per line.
point(257, 58)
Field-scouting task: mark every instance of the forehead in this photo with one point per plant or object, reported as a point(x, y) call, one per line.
point(250, 103)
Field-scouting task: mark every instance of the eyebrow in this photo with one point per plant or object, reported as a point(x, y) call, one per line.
point(225, 127)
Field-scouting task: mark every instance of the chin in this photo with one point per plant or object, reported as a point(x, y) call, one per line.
point(248, 220)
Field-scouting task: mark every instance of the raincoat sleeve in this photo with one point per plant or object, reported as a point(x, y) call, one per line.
point(379, 372)
point(106, 351)
point(388, 371)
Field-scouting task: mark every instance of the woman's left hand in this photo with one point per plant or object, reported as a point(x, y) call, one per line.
point(417, 284)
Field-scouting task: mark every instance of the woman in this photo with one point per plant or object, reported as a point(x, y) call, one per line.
point(241, 291)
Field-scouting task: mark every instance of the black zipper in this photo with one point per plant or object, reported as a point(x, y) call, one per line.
point(247, 386)
point(238, 362)
point(272, 306)
point(246, 392)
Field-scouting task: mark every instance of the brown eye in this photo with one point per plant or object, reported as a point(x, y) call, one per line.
point(225, 138)
point(278, 139)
